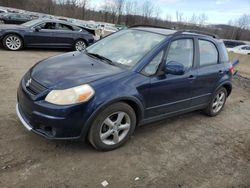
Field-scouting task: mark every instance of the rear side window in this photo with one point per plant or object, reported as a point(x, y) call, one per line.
point(208, 53)
point(182, 51)
point(64, 27)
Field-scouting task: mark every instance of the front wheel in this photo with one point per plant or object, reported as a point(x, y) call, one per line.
point(217, 102)
point(112, 127)
point(80, 45)
point(12, 42)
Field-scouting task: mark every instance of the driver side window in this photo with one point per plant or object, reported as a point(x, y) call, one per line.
point(181, 51)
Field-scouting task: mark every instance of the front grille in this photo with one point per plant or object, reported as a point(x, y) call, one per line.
point(33, 86)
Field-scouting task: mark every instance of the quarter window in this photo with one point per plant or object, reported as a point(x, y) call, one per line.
point(182, 51)
point(152, 67)
point(208, 53)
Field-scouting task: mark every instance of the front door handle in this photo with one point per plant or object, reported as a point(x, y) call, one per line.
point(220, 72)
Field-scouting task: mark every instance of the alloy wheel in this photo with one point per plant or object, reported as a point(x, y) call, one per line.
point(80, 45)
point(13, 42)
point(115, 128)
point(218, 102)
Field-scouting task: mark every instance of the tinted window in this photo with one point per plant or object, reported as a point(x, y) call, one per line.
point(64, 27)
point(48, 25)
point(208, 53)
point(75, 28)
point(152, 67)
point(182, 51)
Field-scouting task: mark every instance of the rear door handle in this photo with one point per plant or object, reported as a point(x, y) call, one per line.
point(191, 77)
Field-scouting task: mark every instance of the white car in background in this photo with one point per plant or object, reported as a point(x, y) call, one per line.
point(2, 11)
point(242, 49)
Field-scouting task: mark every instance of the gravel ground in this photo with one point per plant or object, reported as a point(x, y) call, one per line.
point(191, 150)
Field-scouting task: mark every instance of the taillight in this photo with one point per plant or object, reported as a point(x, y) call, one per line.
point(231, 69)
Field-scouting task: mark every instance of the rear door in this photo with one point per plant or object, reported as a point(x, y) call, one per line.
point(64, 35)
point(210, 71)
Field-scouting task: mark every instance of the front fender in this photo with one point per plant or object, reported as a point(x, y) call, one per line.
point(134, 100)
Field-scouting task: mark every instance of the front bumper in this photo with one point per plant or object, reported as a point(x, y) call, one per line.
point(48, 132)
point(51, 121)
point(25, 124)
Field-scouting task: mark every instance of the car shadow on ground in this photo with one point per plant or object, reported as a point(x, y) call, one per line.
point(80, 146)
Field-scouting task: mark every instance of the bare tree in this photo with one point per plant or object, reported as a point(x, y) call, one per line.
point(83, 4)
point(119, 4)
point(147, 10)
point(168, 17)
point(179, 16)
point(202, 18)
point(194, 19)
point(244, 21)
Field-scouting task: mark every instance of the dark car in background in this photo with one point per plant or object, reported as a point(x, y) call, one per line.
point(133, 77)
point(15, 18)
point(42, 33)
point(233, 43)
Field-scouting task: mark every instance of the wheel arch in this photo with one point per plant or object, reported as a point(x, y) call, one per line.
point(133, 102)
point(227, 85)
point(12, 33)
point(81, 38)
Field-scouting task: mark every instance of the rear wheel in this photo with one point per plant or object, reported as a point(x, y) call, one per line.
point(80, 45)
point(12, 42)
point(112, 127)
point(217, 103)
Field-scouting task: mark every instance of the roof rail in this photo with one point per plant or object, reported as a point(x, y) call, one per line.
point(153, 26)
point(197, 32)
point(178, 32)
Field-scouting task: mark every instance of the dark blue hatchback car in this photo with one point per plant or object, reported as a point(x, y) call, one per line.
point(135, 76)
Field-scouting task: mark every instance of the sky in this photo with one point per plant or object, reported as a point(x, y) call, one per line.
point(217, 11)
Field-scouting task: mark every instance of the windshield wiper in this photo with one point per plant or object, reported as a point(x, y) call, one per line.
point(101, 57)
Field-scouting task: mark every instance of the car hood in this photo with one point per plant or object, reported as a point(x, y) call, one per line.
point(71, 69)
point(11, 26)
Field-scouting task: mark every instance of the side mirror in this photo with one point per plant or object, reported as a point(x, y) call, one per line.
point(174, 68)
point(38, 28)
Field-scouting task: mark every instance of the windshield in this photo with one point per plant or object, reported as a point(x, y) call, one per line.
point(30, 23)
point(126, 47)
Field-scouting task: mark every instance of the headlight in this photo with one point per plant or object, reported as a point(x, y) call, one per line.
point(70, 96)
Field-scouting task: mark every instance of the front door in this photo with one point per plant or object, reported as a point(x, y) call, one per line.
point(43, 37)
point(173, 93)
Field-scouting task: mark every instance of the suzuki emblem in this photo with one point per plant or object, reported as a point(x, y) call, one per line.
point(28, 82)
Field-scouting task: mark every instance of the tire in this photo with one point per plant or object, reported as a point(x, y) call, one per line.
point(80, 45)
point(13, 42)
point(113, 134)
point(217, 102)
